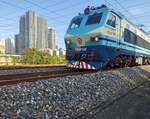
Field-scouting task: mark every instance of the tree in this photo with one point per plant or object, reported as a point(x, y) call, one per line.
point(14, 60)
point(33, 56)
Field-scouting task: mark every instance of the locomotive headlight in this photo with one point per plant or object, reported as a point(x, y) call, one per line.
point(95, 39)
point(68, 41)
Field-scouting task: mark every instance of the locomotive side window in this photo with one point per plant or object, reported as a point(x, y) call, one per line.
point(94, 19)
point(76, 23)
point(112, 21)
point(134, 39)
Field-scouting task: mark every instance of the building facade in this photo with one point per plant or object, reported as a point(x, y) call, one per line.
point(2, 46)
point(9, 46)
point(51, 38)
point(62, 52)
point(33, 31)
point(22, 36)
point(18, 44)
point(30, 29)
point(42, 34)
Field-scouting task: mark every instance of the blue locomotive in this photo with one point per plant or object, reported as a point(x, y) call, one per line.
point(102, 37)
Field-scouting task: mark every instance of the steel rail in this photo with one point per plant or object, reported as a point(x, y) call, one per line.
point(29, 66)
point(29, 77)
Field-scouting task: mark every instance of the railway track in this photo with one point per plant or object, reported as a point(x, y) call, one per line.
point(29, 66)
point(29, 77)
point(47, 72)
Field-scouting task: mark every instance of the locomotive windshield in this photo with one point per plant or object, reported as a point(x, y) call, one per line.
point(76, 23)
point(94, 19)
point(112, 21)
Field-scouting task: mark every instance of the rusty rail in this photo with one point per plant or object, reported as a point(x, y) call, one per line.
point(29, 66)
point(29, 77)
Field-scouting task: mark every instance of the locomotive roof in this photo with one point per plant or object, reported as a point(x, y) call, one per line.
point(91, 9)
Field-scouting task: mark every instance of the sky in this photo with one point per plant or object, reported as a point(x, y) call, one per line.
point(60, 12)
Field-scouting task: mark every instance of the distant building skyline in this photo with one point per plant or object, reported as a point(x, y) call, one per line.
point(33, 30)
point(33, 33)
point(10, 46)
point(7, 46)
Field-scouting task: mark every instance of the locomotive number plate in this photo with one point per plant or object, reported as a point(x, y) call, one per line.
point(80, 49)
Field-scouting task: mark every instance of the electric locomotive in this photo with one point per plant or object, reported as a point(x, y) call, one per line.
point(103, 37)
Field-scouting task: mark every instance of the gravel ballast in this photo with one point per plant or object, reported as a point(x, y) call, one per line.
point(68, 97)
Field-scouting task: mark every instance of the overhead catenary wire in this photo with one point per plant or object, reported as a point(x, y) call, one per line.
point(14, 17)
point(136, 5)
point(62, 9)
point(57, 17)
point(109, 4)
point(131, 15)
point(42, 8)
point(56, 4)
point(57, 11)
point(52, 18)
point(22, 8)
point(127, 11)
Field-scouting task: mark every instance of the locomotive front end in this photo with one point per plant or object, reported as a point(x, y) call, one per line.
point(79, 54)
point(83, 38)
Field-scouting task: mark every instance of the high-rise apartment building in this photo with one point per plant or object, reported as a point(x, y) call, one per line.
point(51, 38)
point(42, 35)
point(30, 29)
point(18, 44)
point(2, 46)
point(22, 36)
point(33, 31)
point(9, 46)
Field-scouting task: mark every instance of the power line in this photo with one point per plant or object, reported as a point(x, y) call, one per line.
point(22, 8)
point(135, 5)
point(57, 3)
point(54, 18)
point(53, 12)
point(70, 6)
point(66, 15)
point(124, 9)
point(60, 9)
point(127, 10)
point(109, 4)
point(14, 17)
point(12, 5)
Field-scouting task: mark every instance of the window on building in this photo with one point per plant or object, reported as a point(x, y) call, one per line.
point(112, 21)
point(94, 19)
point(76, 23)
